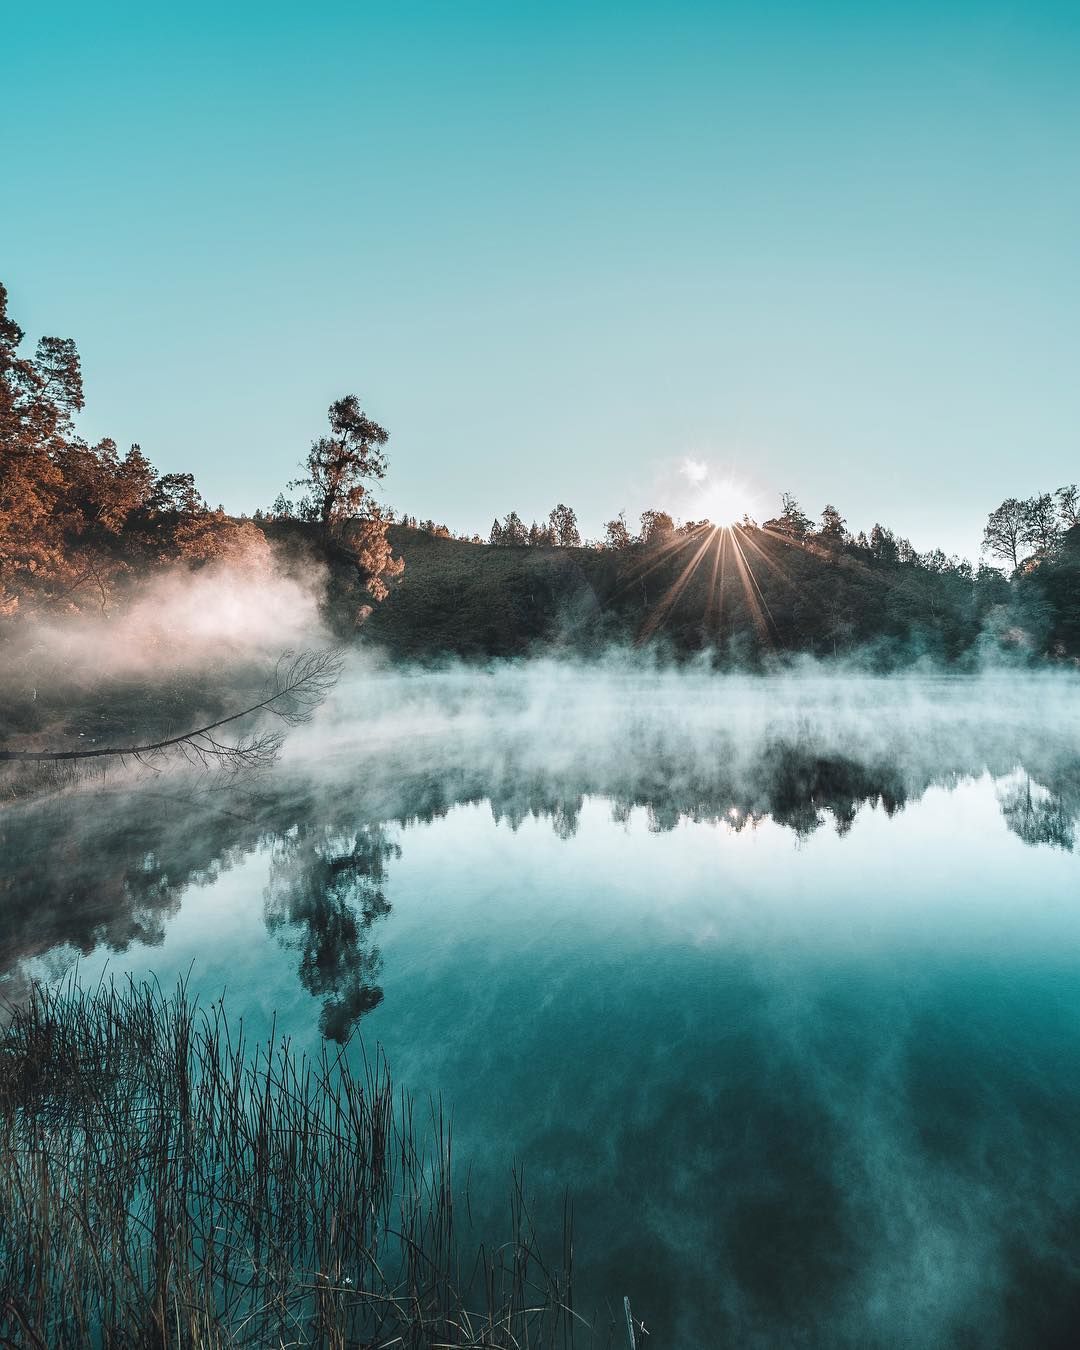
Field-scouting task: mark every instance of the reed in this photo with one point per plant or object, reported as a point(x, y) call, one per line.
point(164, 1183)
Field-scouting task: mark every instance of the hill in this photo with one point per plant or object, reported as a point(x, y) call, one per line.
point(745, 592)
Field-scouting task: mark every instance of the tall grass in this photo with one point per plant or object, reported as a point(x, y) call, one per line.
point(164, 1183)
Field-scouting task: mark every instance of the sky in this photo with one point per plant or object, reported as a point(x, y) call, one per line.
point(565, 252)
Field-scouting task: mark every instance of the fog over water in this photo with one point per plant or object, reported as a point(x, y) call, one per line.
point(779, 975)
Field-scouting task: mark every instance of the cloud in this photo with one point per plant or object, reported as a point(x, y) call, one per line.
point(694, 470)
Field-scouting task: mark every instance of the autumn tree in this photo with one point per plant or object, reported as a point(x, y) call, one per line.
point(371, 550)
point(339, 466)
point(175, 495)
point(37, 400)
point(59, 370)
point(81, 520)
point(133, 483)
point(78, 520)
point(338, 497)
point(433, 528)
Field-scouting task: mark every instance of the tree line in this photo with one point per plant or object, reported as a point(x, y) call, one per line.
point(1017, 533)
point(1035, 529)
point(788, 583)
point(81, 522)
point(560, 530)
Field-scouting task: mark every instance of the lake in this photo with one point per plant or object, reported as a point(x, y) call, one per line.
point(779, 976)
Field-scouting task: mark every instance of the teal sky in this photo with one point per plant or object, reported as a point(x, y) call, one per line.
point(557, 249)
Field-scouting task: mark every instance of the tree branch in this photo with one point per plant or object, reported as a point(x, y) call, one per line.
point(299, 685)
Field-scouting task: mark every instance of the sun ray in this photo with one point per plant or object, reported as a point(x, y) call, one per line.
point(658, 555)
point(769, 562)
point(755, 599)
point(723, 575)
point(713, 542)
point(670, 597)
point(715, 602)
point(882, 577)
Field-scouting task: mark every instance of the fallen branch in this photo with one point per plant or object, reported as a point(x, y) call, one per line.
point(299, 685)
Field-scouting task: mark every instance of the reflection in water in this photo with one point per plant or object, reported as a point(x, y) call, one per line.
point(108, 866)
point(324, 895)
point(820, 1095)
point(1041, 816)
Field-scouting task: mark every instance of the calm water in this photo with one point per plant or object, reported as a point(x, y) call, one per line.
point(780, 977)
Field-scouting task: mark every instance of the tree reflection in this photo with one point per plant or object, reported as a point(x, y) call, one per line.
point(107, 868)
point(1038, 816)
point(326, 891)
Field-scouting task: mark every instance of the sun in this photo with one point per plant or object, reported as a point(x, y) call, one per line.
point(724, 501)
point(715, 544)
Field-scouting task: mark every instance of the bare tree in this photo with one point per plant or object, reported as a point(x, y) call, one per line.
point(1040, 523)
point(1004, 532)
point(298, 685)
point(1068, 504)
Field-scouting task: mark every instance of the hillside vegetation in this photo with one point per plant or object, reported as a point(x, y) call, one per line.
point(744, 592)
point(89, 533)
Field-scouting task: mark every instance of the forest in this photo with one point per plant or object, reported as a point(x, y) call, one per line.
point(84, 527)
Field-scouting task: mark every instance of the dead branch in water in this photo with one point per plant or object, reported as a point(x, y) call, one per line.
point(298, 685)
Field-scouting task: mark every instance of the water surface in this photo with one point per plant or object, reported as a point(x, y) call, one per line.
point(781, 978)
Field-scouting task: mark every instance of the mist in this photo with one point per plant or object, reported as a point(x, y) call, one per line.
point(178, 621)
point(181, 649)
point(630, 725)
point(698, 946)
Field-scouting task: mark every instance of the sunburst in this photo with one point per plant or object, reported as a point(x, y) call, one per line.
point(720, 549)
point(724, 501)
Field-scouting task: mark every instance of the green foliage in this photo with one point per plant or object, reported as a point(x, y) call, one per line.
point(792, 520)
point(692, 590)
point(616, 533)
point(1032, 530)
